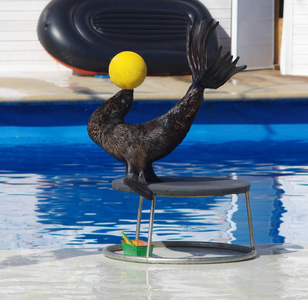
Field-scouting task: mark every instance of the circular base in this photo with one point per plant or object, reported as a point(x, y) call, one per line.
point(220, 255)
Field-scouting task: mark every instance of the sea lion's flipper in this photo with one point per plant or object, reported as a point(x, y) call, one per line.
point(211, 74)
point(140, 188)
point(137, 183)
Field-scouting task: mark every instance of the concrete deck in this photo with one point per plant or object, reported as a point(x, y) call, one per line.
point(61, 86)
point(279, 272)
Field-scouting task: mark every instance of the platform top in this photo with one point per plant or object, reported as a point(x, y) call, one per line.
point(191, 186)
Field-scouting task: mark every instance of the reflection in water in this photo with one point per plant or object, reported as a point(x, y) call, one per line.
point(19, 227)
point(67, 200)
point(293, 200)
point(277, 212)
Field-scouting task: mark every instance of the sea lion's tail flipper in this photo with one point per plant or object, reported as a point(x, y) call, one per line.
point(208, 74)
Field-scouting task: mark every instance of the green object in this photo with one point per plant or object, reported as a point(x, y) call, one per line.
point(136, 250)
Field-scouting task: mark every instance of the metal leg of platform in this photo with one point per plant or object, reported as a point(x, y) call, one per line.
point(151, 226)
point(139, 217)
point(252, 243)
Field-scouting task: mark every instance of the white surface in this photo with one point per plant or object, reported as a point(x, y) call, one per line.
point(280, 272)
point(220, 10)
point(294, 45)
point(253, 33)
point(20, 49)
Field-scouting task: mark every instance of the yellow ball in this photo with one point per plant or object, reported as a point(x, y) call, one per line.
point(127, 70)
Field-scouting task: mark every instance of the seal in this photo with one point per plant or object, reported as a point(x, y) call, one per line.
point(139, 145)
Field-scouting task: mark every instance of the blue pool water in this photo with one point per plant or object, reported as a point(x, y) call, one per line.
point(55, 183)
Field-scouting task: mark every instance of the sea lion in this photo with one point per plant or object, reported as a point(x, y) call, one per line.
point(138, 146)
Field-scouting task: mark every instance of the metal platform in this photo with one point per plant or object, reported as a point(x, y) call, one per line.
point(189, 187)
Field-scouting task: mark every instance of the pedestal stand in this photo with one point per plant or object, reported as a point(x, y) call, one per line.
point(189, 187)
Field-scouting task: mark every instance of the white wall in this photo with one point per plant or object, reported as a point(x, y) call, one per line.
point(20, 49)
point(221, 11)
point(294, 48)
point(253, 32)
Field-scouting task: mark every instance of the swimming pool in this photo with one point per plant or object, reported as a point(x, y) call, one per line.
point(55, 183)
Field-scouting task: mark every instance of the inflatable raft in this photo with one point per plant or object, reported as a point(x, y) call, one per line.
point(84, 35)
